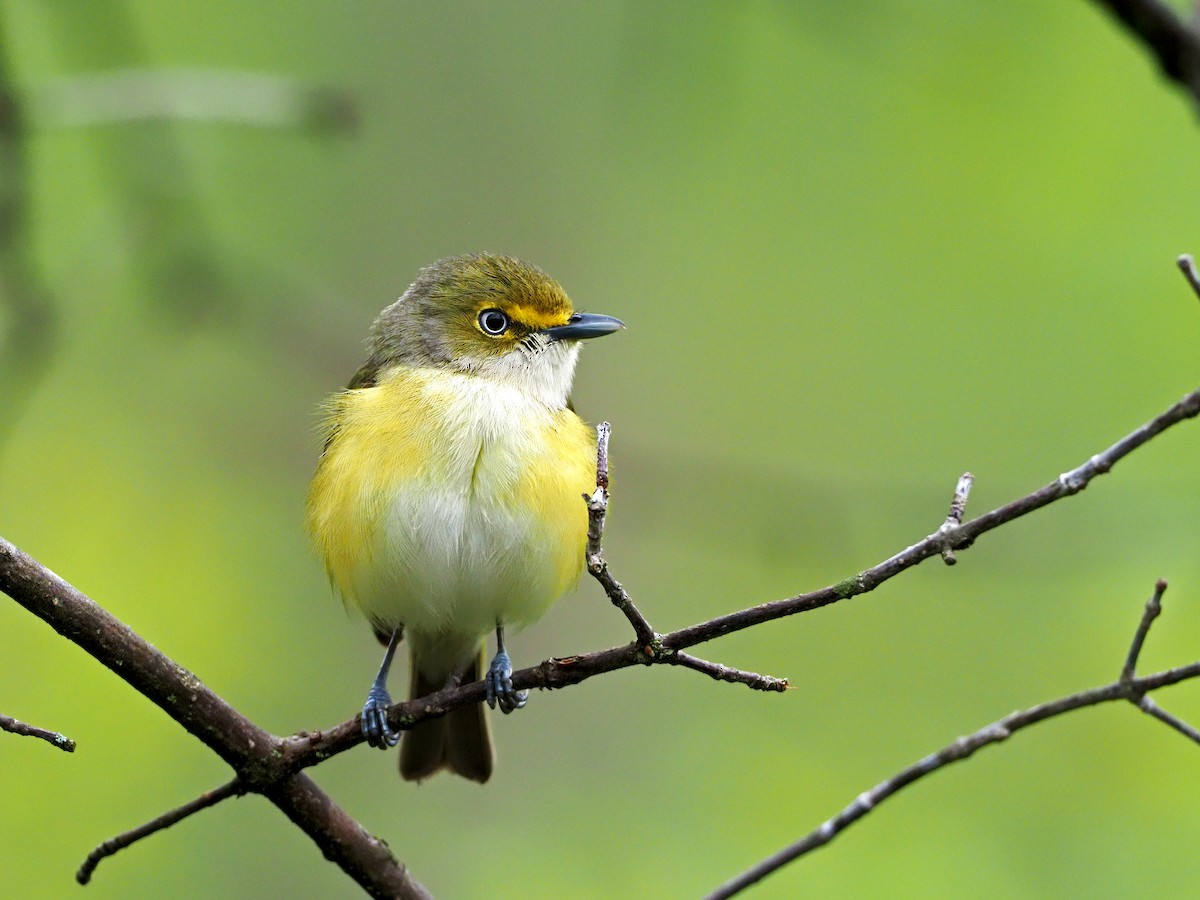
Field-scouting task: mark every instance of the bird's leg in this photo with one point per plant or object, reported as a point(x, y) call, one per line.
point(499, 679)
point(375, 726)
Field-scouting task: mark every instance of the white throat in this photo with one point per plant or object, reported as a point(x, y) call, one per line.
point(542, 369)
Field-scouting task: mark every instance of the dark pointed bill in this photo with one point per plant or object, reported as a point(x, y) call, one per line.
point(584, 325)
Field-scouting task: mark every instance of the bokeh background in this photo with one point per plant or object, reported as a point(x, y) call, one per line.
point(860, 249)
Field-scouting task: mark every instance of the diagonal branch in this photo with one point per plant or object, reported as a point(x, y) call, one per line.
point(166, 820)
point(181, 695)
point(719, 672)
point(1149, 614)
point(1187, 265)
point(1148, 706)
point(1124, 688)
point(1173, 41)
point(958, 538)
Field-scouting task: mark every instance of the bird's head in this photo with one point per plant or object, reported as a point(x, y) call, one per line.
point(488, 315)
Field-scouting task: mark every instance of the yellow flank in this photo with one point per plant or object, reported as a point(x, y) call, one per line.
point(375, 438)
point(447, 502)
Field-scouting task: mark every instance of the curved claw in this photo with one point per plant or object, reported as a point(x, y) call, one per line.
point(375, 726)
point(500, 687)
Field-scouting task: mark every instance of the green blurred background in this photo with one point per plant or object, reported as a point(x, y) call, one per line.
point(860, 249)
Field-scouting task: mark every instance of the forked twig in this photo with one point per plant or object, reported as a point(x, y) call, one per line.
point(597, 507)
point(1129, 688)
point(649, 642)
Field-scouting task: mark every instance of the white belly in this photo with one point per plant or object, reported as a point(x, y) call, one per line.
point(454, 552)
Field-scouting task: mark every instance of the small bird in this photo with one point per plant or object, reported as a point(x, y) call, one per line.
point(447, 501)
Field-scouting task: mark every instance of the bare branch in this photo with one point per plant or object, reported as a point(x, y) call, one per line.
point(597, 506)
point(1131, 689)
point(1153, 608)
point(963, 536)
point(15, 726)
point(1187, 266)
point(1146, 705)
point(1129, 670)
point(166, 820)
point(181, 695)
point(1174, 43)
point(736, 676)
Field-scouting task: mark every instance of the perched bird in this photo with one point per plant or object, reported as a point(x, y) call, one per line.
point(447, 502)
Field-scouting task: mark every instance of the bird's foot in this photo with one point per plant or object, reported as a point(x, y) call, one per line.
point(375, 726)
point(500, 687)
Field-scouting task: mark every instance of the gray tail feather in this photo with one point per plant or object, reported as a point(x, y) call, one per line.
point(459, 741)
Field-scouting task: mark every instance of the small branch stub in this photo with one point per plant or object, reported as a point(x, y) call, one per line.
point(718, 672)
point(15, 726)
point(603, 433)
point(958, 505)
point(1151, 612)
point(1187, 265)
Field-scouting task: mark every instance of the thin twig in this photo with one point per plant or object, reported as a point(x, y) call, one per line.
point(1149, 614)
point(234, 788)
point(1121, 689)
point(1128, 672)
point(1146, 705)
point(597, 506)
point(603, 434)
point(1187, 266)
point(725, 673)
point(28, 320)
point(15, 726)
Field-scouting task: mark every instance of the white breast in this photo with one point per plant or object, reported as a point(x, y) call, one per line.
point(454, 552)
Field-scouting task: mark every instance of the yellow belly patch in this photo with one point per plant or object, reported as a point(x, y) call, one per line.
point(447, 502)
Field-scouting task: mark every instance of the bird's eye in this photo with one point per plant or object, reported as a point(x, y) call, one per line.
point(493, 322)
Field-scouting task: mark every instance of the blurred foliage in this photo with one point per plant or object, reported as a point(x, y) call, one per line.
point(860, 249)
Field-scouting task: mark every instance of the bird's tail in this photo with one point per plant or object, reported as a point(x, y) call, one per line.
point(459, 741)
